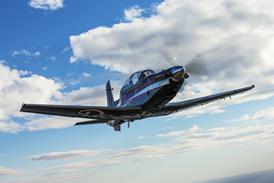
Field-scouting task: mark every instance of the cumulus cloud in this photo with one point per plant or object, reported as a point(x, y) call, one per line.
point(88, 95)
point(47, 4)
point(132, 13)
point(25, 52)
point(64, 155)
point(227, 42)
point(18, 87)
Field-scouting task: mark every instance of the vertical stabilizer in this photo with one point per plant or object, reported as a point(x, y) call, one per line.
point(110, 100)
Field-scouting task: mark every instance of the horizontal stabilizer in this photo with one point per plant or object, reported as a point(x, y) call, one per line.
point(91, 122)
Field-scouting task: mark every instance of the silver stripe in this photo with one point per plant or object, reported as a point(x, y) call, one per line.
point(148, 88)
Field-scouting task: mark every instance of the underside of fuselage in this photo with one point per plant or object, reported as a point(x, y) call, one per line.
point(162, 96)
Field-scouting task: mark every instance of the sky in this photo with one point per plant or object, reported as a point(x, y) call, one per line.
point(64, 51)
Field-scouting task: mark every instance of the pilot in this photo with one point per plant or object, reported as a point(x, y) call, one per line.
point(143, 76)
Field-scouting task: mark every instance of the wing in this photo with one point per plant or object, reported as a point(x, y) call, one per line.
point(92, 112)
point(178, 106)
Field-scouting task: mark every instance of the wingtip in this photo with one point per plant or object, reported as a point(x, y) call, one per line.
point(77, 124)
point(251, 87)
point(22, 107)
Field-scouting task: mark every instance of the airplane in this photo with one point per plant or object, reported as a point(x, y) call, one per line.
point(145, 94)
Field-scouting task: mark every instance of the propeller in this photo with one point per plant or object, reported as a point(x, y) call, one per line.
point(194, 66)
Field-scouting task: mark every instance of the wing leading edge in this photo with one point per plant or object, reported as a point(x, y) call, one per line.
point(177, 106)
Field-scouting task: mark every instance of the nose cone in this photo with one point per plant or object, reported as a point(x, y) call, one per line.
point(178, 73)
point(177, 69)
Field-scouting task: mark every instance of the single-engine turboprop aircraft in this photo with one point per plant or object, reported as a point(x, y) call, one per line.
point(145, 94)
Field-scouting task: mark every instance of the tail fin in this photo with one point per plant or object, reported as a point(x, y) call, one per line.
point(110, 100)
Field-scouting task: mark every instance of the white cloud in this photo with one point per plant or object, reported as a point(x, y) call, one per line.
point(18, 87)
point(38, 123)
point(141, 137)
point(25, 52)
point(64, 155)
point(66, 49)
point(58, 171)
point(171, 134)
point(193, 139)
point(189, 140)
point(223, 44)
point(7, 171)
point(228, 135)
point(88, 95)
point(52, 58)
point(2, 61)
point(133, 13)
point(47, 4)
point(10, 127)
point(265, 114)
point(85, 74)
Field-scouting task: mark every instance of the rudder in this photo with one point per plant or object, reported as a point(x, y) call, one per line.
point(110, 100)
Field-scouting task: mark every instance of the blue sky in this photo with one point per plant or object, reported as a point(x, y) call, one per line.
point(63, 52)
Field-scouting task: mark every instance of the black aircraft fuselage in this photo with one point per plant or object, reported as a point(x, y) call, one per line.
point(148, 89)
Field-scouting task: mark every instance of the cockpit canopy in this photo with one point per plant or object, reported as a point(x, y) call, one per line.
point(137, 77)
